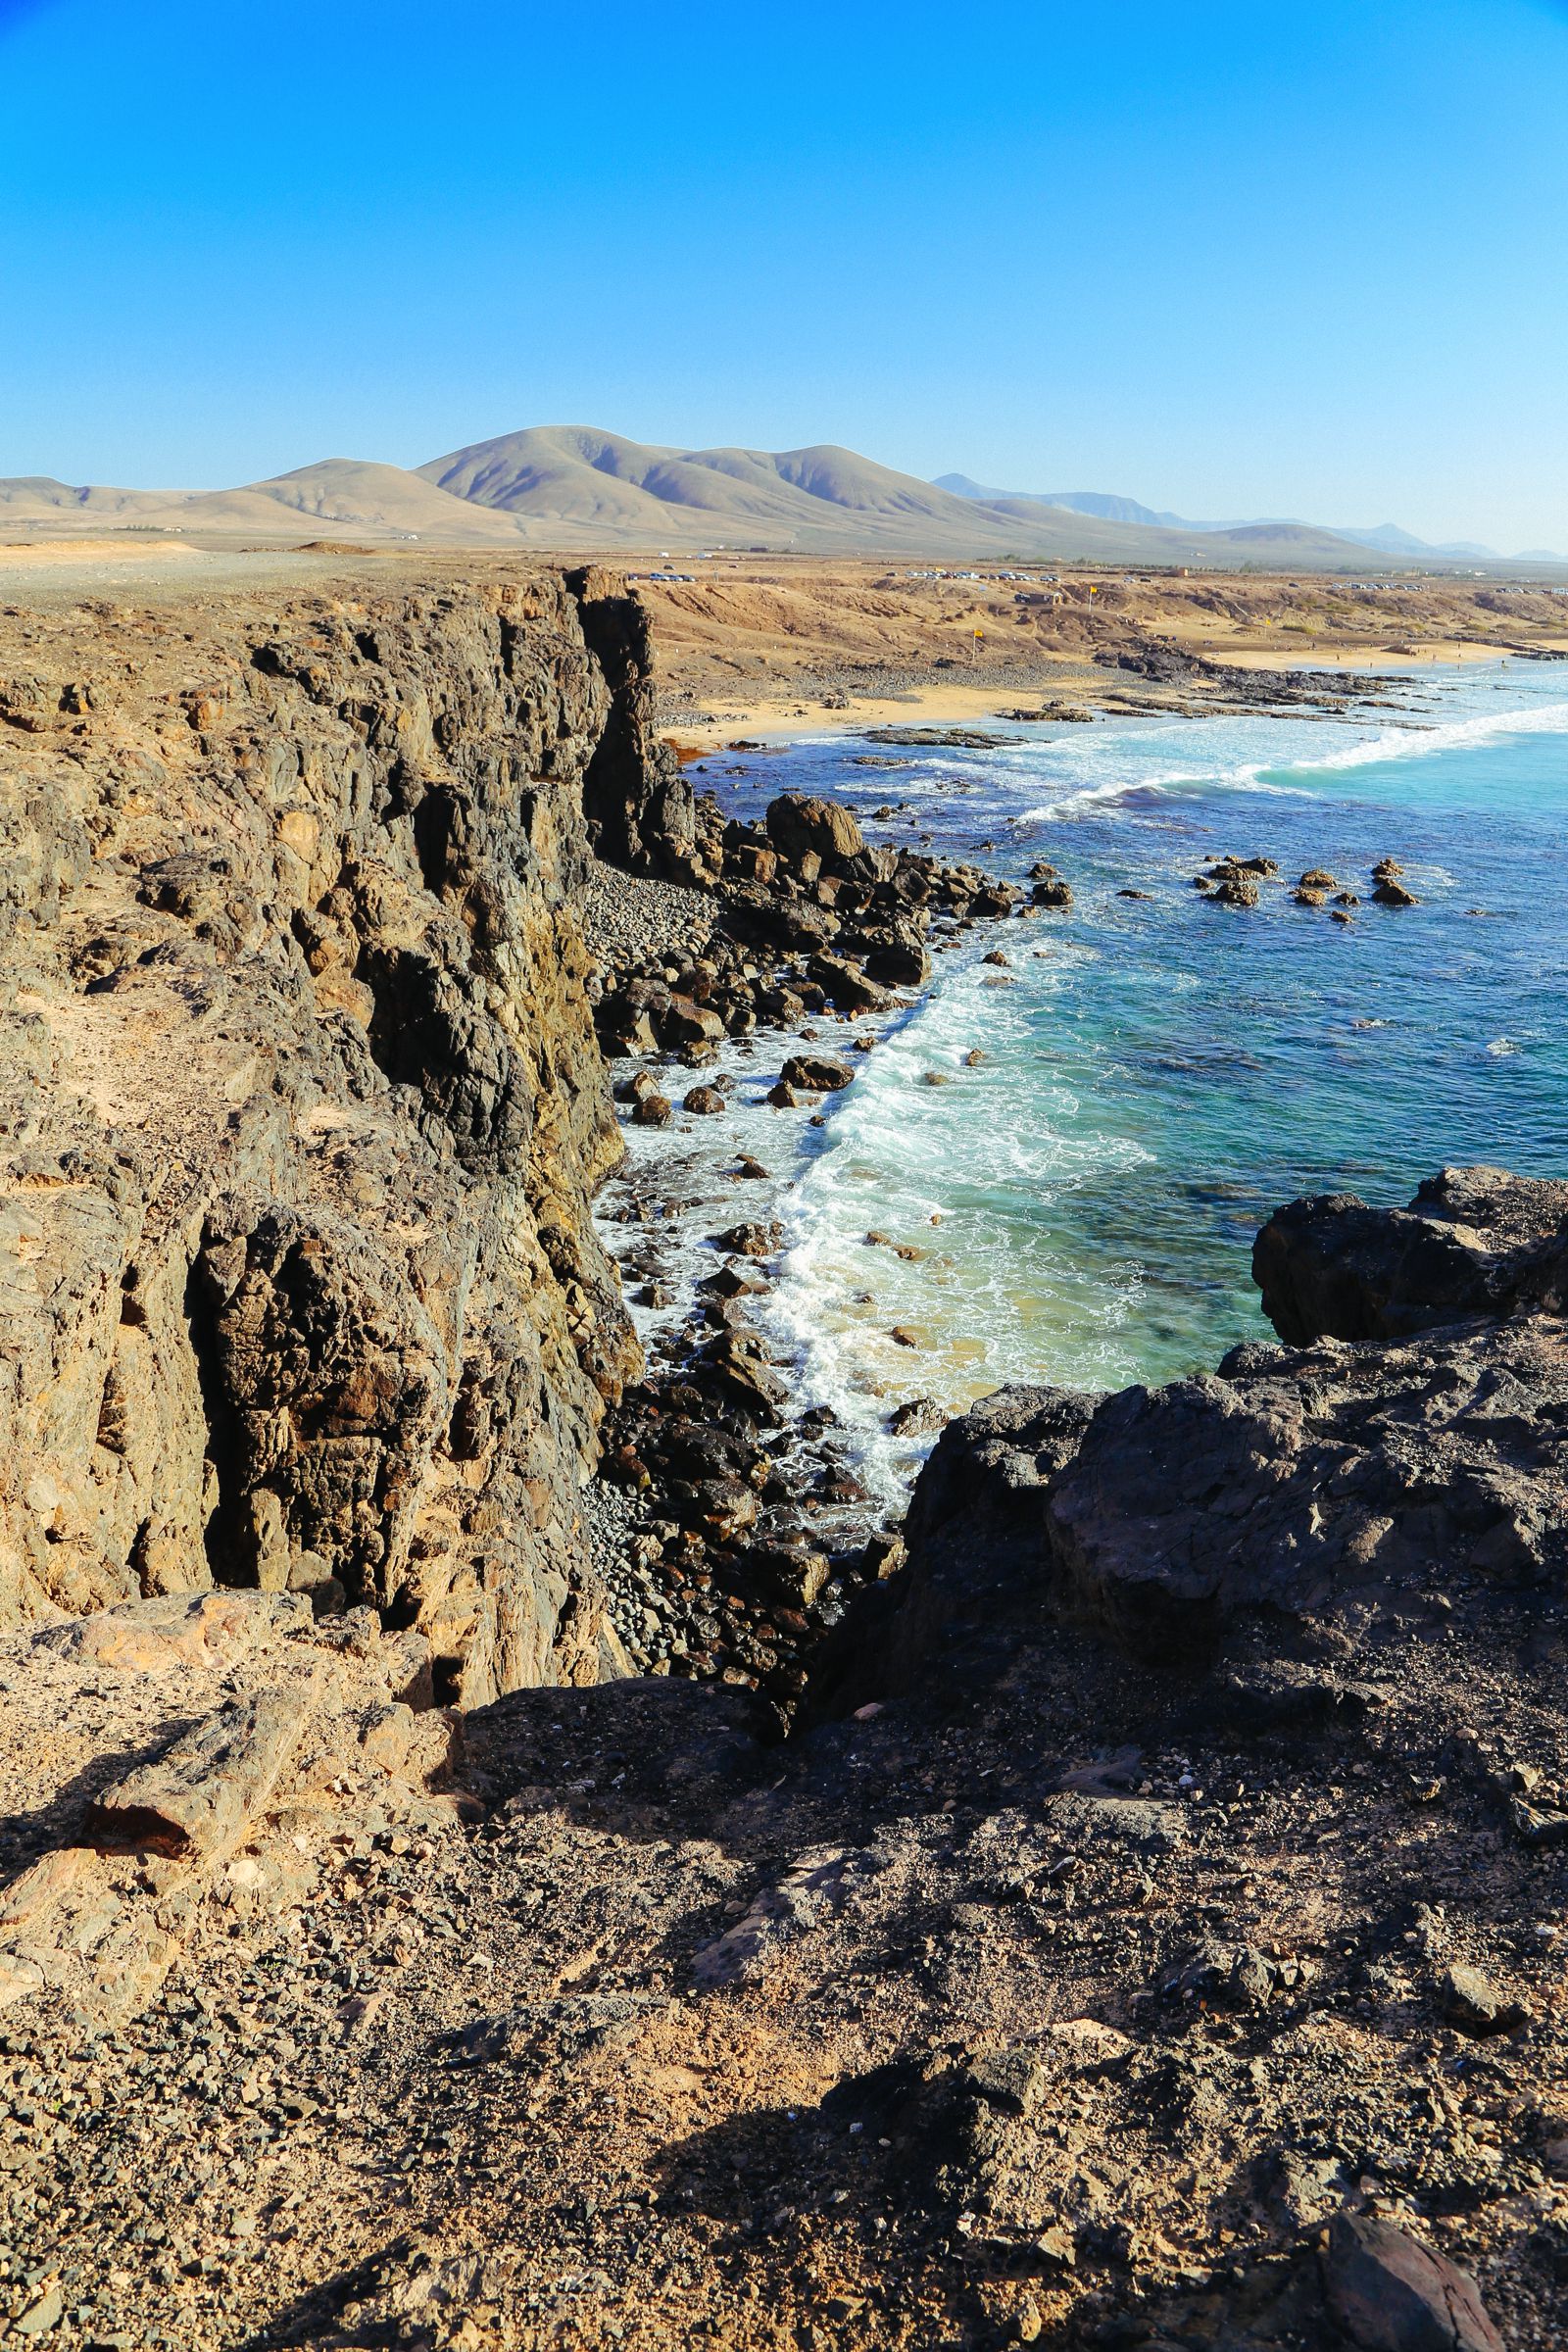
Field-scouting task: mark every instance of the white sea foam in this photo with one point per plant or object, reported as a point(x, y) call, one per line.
point(1268, 770)
point(948, 1171)
point(1000, 1290)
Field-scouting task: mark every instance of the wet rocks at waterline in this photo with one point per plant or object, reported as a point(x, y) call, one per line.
point(805, 917)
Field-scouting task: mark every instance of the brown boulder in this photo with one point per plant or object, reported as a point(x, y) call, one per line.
point(819, 1073)
point(801, 824)
point(846, 986)
point(749, 1239)
point(1387, 2293)
point(684, 1022)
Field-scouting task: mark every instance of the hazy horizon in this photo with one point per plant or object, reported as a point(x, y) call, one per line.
point(1224, 267)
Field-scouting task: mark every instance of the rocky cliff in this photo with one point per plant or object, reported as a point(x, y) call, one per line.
point(1158, 1947)
point(303, 1103)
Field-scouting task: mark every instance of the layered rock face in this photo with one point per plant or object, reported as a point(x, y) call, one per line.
point(303, 1105)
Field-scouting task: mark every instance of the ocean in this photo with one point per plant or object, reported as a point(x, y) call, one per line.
point(1159, 1073)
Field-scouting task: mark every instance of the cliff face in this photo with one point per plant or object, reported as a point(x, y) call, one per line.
point(302, 1106)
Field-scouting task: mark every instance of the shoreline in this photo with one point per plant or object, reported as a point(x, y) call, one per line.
point(774, 721)
point(656, 1172)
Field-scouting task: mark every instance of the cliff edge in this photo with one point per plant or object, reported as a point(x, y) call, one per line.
point(303, 1105)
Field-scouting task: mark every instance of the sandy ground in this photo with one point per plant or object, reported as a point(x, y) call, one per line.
point(1452, 651)
point(770, 721)
point(755, 650)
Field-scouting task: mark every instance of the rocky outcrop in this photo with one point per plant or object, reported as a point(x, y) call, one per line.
point(1292, 1481)
point(1043, 1994)
point(1473, 1242)
point(1319, 1484)
point(304, 1104)
point(638, 805)
point(833, 921)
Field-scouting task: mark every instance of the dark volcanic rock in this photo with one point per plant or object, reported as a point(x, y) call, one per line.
point(1390, 2293)
point(976, 1536)
point(1287, 1478)
point(1287, 1485)
point(637, 803)
point(1473, 1242)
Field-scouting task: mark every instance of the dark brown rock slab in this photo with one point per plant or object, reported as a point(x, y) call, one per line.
point(1473, 1241)
point(1388, 2292)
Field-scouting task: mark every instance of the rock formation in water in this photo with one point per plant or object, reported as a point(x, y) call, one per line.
point(1473, 1242)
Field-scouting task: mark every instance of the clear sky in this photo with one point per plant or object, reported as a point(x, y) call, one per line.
point(1233, 259)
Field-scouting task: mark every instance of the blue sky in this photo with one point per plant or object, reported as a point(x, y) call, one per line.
point(1232, 260)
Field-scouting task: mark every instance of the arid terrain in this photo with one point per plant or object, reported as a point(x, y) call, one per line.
point(755, 644)
point(1124, 1909)
point(579, 490)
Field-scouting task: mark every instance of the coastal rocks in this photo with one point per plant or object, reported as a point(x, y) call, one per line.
point(800, 823)
point(915, 1418)
point(816, 1073)
point(1056, 893)
point(944, 739)
point(846, 985)
point(705, 1102)
point(896, 959)
point(1286, 1486)
point(735, 1364)
point(1234, 881)
point(1473, 1242)
point(749, 1239)
point(976, 1539)
point(807, 916)
point(636, 803)
point(1165, 663)
point(994, 898)
point(684, 1022)
point(1285, 1478)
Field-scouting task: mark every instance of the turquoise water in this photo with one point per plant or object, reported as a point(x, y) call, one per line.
point(1160, 1073)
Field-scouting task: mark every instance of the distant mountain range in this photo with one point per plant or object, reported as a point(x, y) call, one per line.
point(1385, 537)
point(575, 488)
